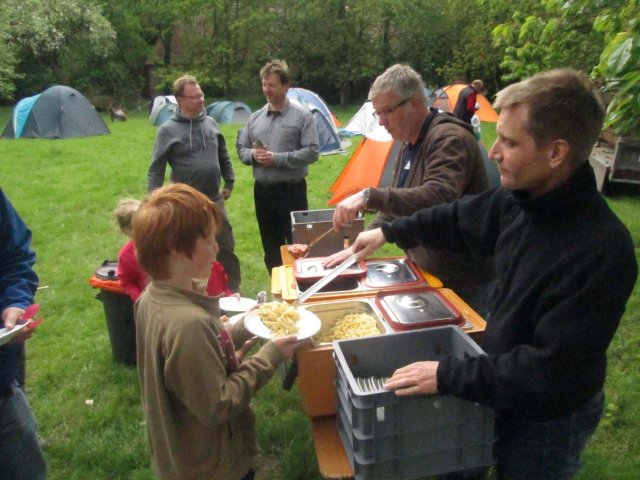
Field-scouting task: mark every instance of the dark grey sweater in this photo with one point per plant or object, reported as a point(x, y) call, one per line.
point(197, 153)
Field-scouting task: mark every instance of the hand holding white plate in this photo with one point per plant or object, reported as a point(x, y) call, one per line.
point(308, 324)
point(7, 335)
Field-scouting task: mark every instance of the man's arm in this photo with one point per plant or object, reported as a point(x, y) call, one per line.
point(18, 280)
point(309, 150)
point(244, 145)
point(226, 167)
point(444, 179)
point(159, 159)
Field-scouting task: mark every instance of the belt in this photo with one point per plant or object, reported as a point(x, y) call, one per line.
point(280, 184)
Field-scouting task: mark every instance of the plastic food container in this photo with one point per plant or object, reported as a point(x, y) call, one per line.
point(417, 308)
point(386, 436)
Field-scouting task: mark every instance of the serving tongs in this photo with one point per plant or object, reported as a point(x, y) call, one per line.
point(326, 279)
point(290, 373)
point(316, 240)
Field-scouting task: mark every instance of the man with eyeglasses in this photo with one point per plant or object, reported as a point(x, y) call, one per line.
point(440, 161)
point(192, 144)
point(279, 142)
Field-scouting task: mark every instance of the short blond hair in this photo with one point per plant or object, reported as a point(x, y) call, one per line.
point(172, 218)
point(560, 105)
point(180, 83)
point(124, 212)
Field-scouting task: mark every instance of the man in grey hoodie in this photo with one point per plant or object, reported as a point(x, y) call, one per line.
point(192, 144)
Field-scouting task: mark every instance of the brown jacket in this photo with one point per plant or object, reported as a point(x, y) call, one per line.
point(200, 424)
point(447, 166)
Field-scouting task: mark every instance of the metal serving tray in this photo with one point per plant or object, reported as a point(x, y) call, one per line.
point(330, 312)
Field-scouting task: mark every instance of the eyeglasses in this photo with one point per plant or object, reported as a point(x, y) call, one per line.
point(193, 97)
point(388, 111)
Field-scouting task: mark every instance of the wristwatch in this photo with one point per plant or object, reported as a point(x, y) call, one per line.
point(365, 195)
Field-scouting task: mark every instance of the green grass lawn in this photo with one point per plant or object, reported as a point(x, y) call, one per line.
point(66, 191)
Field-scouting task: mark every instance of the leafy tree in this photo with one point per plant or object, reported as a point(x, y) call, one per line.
point(548, 34)
point(618, 65)
point(7, 59)
point(46, 34)
point(473, 54)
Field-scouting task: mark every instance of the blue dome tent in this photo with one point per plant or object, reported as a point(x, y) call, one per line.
point(327, 132)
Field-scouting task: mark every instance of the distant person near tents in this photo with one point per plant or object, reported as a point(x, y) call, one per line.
point(279, 142)
point(439, 162)
point(466, 105)
point(192, 144)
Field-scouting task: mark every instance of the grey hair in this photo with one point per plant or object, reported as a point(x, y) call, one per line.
point(401, 79)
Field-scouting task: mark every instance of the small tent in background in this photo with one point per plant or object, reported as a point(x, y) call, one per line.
point(445, 99)
point(364, 121)
point(307, 96)
point(160, 100)
point(162, 113)
point(327, 131)
point(58, 112)
point(371, 165)
point(229, 112)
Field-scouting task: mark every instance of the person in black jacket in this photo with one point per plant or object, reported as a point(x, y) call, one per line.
point(466, 104)
point(558, 247)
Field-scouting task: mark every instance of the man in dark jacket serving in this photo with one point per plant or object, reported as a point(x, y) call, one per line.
point(558, 248)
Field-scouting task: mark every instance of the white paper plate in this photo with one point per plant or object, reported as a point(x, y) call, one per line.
point(235, 304)
point(308, 325)
point(5, 335)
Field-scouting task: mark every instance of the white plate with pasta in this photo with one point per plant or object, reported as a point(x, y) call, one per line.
point(278, 319)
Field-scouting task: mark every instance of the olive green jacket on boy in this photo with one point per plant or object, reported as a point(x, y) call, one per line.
point(200, 424)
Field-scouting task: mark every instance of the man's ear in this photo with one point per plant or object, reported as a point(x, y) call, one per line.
point(558, 153)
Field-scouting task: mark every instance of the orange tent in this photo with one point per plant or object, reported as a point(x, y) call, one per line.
point(445, 99)
point(371, 165)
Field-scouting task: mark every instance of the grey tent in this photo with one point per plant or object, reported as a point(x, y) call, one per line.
point(229, 112)
point(161, 113)
point(58, 112)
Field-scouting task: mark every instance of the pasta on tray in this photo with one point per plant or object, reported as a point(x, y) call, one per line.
point(353, 325)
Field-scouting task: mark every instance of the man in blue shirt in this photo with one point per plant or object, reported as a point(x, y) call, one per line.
point(20, 453)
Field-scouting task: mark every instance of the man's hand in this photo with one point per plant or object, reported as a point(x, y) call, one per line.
point(226, 193)
point(416, 378)
point(337, 258)
point(347, 210)
point(368, 242)
point(11, 316)
point(264, 157)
